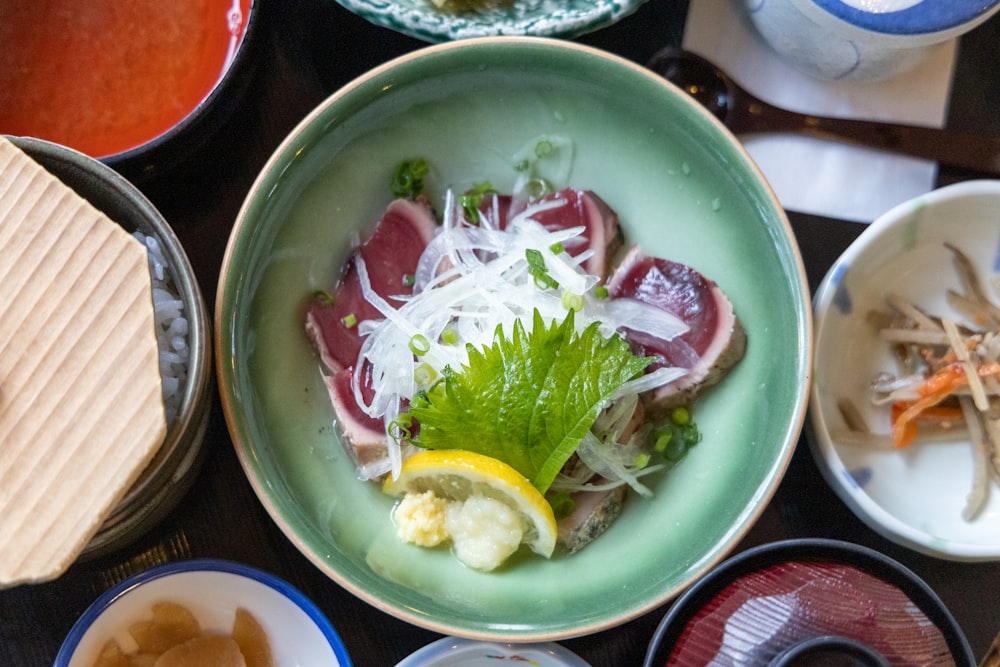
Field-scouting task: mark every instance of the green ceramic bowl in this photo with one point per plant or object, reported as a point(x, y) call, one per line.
point(684, 189)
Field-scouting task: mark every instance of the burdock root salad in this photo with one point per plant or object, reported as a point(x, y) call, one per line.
point(490, 367)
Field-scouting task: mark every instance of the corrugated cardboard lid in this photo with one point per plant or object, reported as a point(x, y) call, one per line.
point(81, 408)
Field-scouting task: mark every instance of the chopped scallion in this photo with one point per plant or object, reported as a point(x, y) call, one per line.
point(572, 301)
point(536, 267)
point(419, 345)
point(473, 199)
point(408, 181)
point(350, 320)
point(424, 375)
point(537, 187)
point(562, 504)
point(544, 148)
point(680, 416)
point(324, 296)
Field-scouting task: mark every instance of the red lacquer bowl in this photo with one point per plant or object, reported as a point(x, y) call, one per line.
point(809, 602)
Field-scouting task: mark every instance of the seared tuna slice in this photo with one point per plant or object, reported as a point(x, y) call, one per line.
point(365, 437)
point(586, 209)
point(593, 513)
point(583, 208)
point(715, 341)
point(389, 255)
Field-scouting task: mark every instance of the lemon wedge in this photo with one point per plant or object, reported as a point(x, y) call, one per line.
point(459, 475)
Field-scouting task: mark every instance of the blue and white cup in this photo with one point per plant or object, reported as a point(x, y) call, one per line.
point(863, 39)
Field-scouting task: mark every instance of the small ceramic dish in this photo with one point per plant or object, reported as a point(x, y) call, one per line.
point(169, 475)
point(809, 602)
point(915, 495)
point(164, 78)
point(421, 19)
point(212, 590)
point(458, 652)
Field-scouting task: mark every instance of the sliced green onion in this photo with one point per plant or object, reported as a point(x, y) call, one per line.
point(562, 504)
point(324, 296)
point(680, 415)
point(523, 165)
point(408, 181)
point(601, 292)
point(350, 320)
point(556, 248)
point(572, 301)
point(409, 279)
point(399, 431)
point(641, 460)
point(473, 199)
point(537, 187)
point(536, 267)
point(544, 148)
point(449, 336)
point(424, 375)
point(663, 441)
point(419, 345)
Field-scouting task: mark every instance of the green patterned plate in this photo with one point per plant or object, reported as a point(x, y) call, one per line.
point(684, 189)
point(539, 18)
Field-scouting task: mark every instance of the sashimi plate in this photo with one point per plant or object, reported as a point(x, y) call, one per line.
point(683, 188)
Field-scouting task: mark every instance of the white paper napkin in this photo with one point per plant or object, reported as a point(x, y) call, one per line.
point(810, 175)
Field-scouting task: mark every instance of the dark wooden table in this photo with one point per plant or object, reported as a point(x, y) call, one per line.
point(308, 49)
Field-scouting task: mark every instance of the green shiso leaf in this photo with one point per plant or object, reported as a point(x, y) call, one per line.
point(529, 399)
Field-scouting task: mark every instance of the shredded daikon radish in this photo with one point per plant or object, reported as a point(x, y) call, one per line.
point(469, 281)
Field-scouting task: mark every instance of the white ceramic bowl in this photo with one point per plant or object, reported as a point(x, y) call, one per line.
point(458, 652)
point(540, 18)
point(212, 590)
point(915, 495)
point(863, 39)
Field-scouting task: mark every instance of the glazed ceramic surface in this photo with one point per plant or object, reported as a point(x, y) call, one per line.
point(458, 652)
point(212, 590)
point(913, 496)
point(540, 18)
point(683, 189)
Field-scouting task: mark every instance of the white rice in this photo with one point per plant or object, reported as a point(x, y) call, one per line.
point(171, 326)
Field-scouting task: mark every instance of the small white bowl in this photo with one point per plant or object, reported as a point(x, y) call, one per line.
point(458, 652)
point(212, 590)
point(913, 496)
point(863, 39)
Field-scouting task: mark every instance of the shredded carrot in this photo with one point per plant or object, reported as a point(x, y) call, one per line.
point(935, 389)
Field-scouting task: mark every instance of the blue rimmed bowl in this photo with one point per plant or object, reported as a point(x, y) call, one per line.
point(212, 590)
point(913, 496)
point(863, 39)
